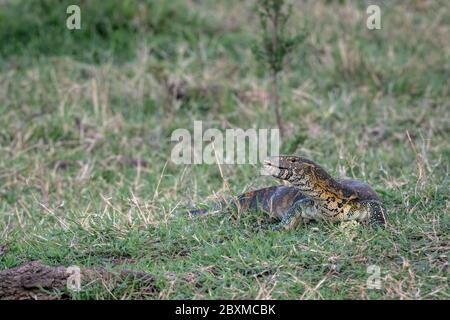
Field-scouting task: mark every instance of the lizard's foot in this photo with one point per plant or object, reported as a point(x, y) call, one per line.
point(375, 212)
point(295, 215)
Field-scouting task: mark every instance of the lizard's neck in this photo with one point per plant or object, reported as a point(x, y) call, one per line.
point(319, 192)
point(323, 189)
point(331, 198)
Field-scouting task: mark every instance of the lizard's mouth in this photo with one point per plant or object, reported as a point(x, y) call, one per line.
point(275, 169)
point(271, 169)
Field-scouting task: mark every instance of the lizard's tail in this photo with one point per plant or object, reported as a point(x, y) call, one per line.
point(252, 200)
point(215, 207)
point(195, 212)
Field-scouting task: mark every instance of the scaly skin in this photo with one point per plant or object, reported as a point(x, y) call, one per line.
point(329, 199)
point(313, 195)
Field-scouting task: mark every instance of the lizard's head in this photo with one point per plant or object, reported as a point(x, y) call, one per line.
point(297, 170)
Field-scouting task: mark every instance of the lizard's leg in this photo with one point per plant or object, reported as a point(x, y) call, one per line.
point(371, 211)
point(301, 211)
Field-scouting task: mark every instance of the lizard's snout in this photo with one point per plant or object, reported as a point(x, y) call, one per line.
point(272, 162)
point(276, 169)
point(272, 167)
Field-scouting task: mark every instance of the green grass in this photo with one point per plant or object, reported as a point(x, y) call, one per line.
point(79, 110)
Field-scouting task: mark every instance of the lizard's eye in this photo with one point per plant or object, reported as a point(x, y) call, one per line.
point(293, 160)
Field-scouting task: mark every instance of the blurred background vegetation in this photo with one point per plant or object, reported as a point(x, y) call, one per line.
point(86, 117)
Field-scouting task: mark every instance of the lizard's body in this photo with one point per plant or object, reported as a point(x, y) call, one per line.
point(274, 201)
point(313, 195)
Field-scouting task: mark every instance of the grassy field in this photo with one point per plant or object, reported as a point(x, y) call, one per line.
point(85, 124)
